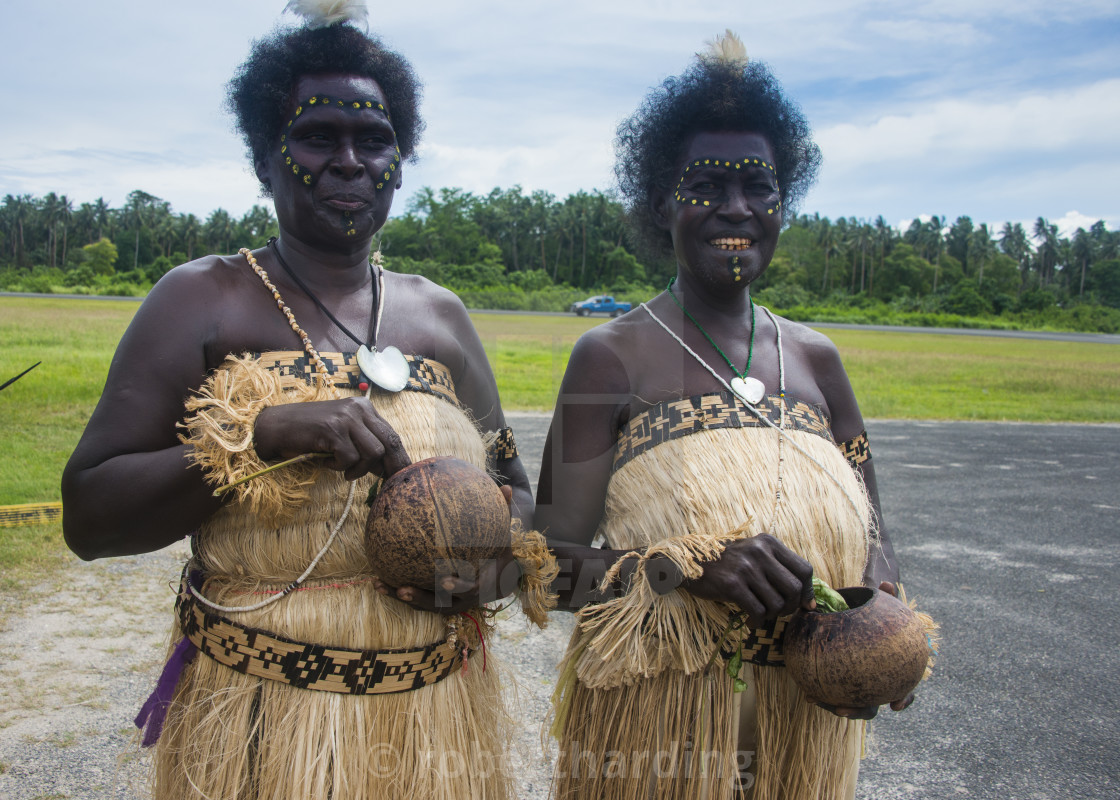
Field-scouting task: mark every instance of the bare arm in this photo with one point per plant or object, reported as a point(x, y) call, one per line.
point(576, 468)
point(847, 423)
point(478, 392)
point(881, 571)
point(128, 487)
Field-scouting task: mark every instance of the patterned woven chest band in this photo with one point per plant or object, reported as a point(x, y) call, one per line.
point(311, 666)
point(673, 419)
point(504, 447)
point(425, 374)
point(856, 450)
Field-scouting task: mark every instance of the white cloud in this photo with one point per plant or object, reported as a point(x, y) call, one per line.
point(1069, 222)
point(957, 132)
point(113, 96)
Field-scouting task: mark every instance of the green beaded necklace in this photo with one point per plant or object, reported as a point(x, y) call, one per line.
point(749, 389)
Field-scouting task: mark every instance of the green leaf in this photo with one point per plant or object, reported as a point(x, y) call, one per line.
point(735, 664)
point(828, 599)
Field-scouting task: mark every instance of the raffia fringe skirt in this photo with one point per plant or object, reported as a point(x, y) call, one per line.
point(229, 736)
point(640, 715)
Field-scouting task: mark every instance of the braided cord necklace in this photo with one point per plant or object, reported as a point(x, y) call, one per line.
point(325, 376)
point(751, 390)
point(388, 368)
point(323, 308)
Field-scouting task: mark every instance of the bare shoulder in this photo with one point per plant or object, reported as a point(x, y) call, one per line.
point(812, 348)
point(203, 282)
point(826, 370)
point(415, 294)
point(806, 339)
point(603, 356)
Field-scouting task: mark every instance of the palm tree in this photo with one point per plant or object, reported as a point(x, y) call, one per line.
point(935, 232)
point(52, 212)
point(189, 228)
point(1081, 252)
point(1014, 243)
point(102, 216)
point(136, 209)
point(826, 238)
point(14, 212)
point(981, 250)
point(884, 237)
point(1046, 235)
point(219, 230)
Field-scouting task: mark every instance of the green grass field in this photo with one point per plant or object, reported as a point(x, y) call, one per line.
point(895, 375)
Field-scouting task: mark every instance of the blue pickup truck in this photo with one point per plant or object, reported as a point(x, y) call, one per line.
point(600, 304)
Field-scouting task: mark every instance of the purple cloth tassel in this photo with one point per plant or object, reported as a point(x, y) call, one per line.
point(152, 713)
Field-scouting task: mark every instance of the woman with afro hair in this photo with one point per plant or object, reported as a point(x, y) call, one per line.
point(718, 453)
point(295, 673)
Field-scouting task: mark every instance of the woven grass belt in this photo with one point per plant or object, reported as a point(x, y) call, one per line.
point(312, 666)
point(762, 646)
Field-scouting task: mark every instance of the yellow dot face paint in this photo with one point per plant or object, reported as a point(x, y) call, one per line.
point(704, 181)
point(356, 105)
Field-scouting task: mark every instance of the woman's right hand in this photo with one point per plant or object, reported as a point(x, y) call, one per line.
point(358, 440)
point(759, 575)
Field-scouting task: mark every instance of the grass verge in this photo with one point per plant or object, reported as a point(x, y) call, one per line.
point(899, 375)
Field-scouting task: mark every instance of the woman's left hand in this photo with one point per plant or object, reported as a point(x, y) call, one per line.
point(870, 711)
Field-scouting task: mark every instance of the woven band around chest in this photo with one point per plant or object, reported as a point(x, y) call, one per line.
point(674, 419)
point(312, 666)
point(425, 374)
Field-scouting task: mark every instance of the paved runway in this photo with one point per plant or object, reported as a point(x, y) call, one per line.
point(1008, 535)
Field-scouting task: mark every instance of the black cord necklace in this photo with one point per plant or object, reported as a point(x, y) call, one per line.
point(323, 308)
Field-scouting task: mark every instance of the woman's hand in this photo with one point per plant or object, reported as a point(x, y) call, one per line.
point(761, 576)
point(870, 711)
point(495, 579)
point(358, 439)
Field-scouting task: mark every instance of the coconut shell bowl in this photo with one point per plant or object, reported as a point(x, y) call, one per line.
point(434, 518)
point(875, 652)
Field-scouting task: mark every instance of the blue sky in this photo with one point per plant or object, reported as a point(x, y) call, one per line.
point(998, 110)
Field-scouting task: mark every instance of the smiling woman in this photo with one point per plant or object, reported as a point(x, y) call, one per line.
point(720, 453)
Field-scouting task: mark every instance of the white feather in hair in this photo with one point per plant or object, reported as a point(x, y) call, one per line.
point(324, 13)
point(726, 49)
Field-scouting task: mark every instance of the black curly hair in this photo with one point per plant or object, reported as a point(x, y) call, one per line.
point(709, 96)
point(261, 89)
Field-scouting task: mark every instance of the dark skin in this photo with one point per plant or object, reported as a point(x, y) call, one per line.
point(619, 370)
point(128, 487)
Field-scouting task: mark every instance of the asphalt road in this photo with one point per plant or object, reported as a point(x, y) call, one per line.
point(1008, 535)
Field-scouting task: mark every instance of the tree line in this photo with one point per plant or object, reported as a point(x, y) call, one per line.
point(510, 241)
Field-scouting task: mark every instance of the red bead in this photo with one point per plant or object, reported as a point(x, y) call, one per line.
point(363, 386)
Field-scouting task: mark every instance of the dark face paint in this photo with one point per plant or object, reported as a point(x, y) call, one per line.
point(725, 212)
point(337, 164)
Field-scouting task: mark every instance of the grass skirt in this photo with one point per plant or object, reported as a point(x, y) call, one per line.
point(642, 688)
point(228, 735)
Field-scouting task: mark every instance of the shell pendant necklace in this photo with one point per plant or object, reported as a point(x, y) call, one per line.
point(749, 390)
point(387, 367)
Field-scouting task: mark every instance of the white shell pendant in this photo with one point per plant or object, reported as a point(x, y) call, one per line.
point(750, 389)
point(386, 368)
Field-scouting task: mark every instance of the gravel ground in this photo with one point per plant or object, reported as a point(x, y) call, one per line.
point(82, 649)
point(1007, 534)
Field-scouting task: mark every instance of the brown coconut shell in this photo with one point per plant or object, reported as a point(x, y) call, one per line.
point(876, 652)
point(437, 517)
